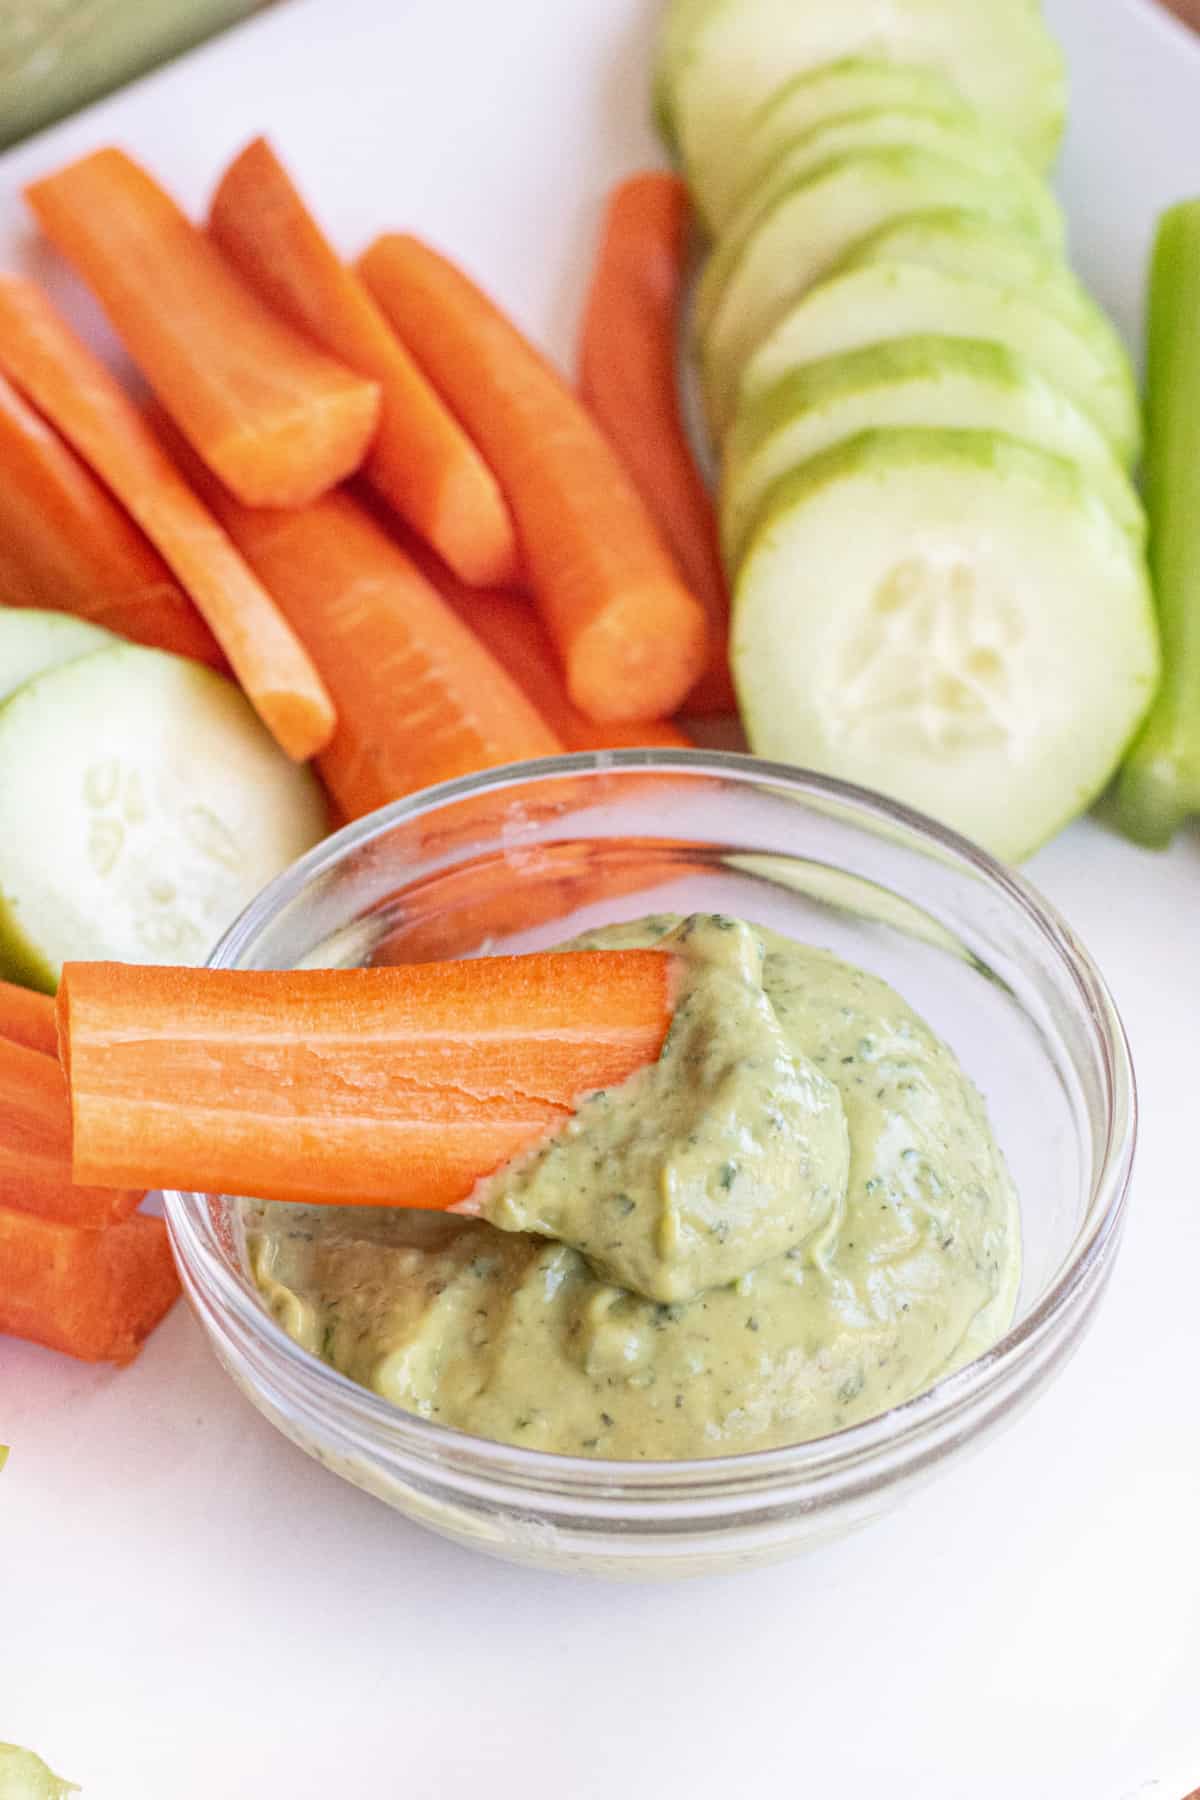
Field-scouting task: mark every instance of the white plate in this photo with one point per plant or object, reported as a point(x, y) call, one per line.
point(189, 1609)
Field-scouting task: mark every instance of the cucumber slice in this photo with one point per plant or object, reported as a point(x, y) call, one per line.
point(749, 282)
point(951, 617)
point(142, 805)
point(721, 60)
point(955, 383)
point(24, 1776)
point(32, 640)
point(881, 302)
point(960, 139)
point(965, 243)
point(809, 100)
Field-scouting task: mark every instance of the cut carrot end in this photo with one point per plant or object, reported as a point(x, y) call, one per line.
point(421, 461)
point(96, 1295)
point(271, 414)
point(35, 1145)
point(400, 1086)
point(586, 539)
point(616, 672)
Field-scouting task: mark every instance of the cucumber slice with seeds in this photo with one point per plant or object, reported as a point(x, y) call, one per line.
point(748, 284)
point(988, 647)
point(142, 806)
point(33, 640)
point(881, 302)
point(950, 383)
point(720, 59)
point(809, 100)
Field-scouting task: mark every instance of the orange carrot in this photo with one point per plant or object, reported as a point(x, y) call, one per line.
point(95, 1294)
point(398, 1086)
point(629, 379)
point(28, 1018)
point(419, 699)
point(35, 1146)
point(516, 637)
point(79, 396)
point(274, 417)
point(631, 638)
point(65, 545)
point(422, 461)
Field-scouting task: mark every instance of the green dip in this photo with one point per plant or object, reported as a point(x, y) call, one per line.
point(797, 1218)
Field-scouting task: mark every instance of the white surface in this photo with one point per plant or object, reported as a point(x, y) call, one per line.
point(190, 1609)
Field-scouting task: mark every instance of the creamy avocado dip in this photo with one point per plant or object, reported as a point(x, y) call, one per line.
point(797, 1218)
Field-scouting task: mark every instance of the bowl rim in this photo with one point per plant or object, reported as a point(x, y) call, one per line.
point(978, 1385)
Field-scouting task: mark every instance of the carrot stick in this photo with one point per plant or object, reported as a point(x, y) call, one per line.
point(65, 545)
point(27, 1018)
point(516, 637)
point(79, 396)
point(628, 377)
point(418, 698)
point(422, 462)
point(396, 1086)
point(273, 416)
point(35, 1146)
point(95, 1294)
point(631, 638)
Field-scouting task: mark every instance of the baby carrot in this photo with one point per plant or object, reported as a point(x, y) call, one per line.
point(95, 1294)
point(65, 545)
point(419, 699)
point(398, 1086)
point(28, 1018)
point(422, 462)
point(78, 395)
point(273, 416)
point(628, 376)
point(516, 637)
point(35, 1146)
point(631, 638)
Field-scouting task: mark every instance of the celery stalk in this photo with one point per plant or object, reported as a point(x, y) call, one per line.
point(1159, 786)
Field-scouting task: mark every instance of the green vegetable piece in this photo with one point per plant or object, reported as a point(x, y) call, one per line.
point(1159, 787)
point(24, 1776)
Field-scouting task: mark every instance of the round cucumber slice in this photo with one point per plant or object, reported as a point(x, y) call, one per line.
point(749, 282)
point(881, 302)
point(959, 138)
point(950, 617)
point(809, 100)
point(959, 384)
point(721, 59)
point(965, 243)
point(142, 805)
point(32, 640)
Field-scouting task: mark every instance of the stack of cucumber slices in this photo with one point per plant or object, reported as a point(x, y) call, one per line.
point(142, 804)
point(925, 425)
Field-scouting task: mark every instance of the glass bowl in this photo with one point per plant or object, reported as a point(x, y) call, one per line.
point(523, 857)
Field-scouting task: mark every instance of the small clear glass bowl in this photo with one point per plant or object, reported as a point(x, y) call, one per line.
point(523, 857)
